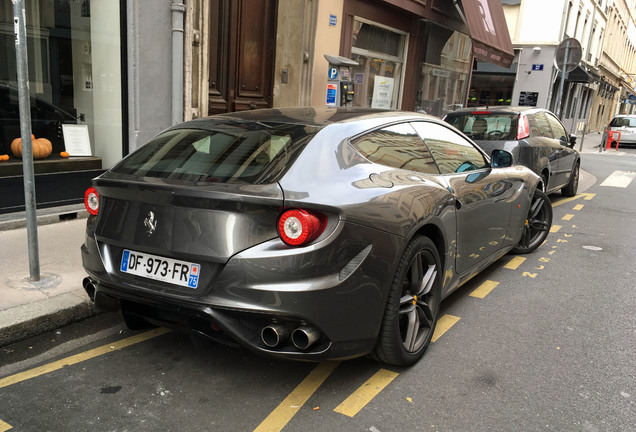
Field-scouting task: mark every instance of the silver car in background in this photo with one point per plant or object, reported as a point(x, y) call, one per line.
point(535, 137)
point(626, 126)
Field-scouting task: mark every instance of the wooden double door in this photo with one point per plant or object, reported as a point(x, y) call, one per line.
point(242, 54)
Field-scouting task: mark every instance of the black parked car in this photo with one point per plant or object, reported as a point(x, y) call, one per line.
point(305, 233)
point(535, 137)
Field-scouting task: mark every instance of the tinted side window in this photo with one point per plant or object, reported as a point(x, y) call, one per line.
point(397, 146)
point(623, 122)
point(543, 125)
point(558, 131)
point(452, 152)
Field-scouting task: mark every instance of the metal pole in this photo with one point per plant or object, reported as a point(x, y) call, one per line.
point(178, 10)
point(19, 26)
point(563, 72)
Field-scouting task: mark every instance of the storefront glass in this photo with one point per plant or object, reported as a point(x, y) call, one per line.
point(444, 71)
point(380, 53)
point(74, 80)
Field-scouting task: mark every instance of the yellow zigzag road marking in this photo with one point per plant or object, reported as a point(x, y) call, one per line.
point(278, 418)
point(77, 358)
point(370, 389)
point(586, 196)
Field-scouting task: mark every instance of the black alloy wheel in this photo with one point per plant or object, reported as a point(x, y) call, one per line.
point(537, 224)
point(413, 305)
point(573, 185)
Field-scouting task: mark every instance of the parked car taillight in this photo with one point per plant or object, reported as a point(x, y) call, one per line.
point(91, 200)
point(298, 227)
point(523, 128)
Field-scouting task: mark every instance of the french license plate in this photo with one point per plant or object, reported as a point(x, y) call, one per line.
point(159, 268)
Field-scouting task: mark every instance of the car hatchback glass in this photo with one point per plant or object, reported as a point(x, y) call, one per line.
point(226, 155)
point(485, 126)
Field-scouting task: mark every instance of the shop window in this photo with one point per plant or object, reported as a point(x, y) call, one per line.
point(444, 70)
point(78, 111)
point(380, 53)
point(66, 42)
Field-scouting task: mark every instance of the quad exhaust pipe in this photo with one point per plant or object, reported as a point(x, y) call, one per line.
point(302, 337)
point(274, 334)
point(89, 287)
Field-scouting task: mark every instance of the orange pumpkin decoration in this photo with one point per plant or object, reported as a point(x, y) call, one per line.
point(42, 147)
point(64, 154)
point(4, 157)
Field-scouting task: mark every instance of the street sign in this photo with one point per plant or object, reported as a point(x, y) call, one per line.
point(537, 67)
point(333, 73)
point(568, 55)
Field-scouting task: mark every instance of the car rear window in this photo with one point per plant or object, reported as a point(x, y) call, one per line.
point(485, 126)
point(623, 122)
point(253, 153)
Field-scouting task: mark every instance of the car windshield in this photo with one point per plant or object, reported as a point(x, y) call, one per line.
point(485, 126)
point(253, 153)
point(623, 122)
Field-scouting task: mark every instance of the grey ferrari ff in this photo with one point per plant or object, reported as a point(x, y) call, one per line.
point(305, 233)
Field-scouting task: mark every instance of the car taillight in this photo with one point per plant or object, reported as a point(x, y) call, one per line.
point(523, 128)
point(297, 227)
point(91, 200)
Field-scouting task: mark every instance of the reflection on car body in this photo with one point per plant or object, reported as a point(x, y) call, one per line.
point(324, 233)
point(534, 136)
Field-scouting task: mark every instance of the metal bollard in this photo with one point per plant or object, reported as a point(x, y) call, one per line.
point(610, 139)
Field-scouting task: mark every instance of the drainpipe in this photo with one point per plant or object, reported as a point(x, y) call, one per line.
point(178, 10)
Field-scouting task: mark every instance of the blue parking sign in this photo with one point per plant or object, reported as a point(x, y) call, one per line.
point(333, 73)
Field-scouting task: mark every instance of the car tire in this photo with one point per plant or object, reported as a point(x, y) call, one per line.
point(413, 305)
point(537, 225)
point(544, 183)
point(573, 185)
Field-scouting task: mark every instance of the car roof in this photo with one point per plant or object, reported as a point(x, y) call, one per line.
point(312, 116)
point(499, 109)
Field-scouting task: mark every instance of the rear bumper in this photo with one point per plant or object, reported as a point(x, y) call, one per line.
point(225, 326)
point(338, 287)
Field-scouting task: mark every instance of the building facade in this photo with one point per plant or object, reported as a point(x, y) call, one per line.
point(598, 82)
point(123, 70)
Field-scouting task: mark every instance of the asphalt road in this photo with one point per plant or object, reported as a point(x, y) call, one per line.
point(540, 342)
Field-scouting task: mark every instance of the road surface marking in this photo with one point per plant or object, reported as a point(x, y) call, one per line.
point(555, 228)
point(484, 289)
point(443, 325)
point(620, 179)
point(5, 426)
point(514, 263)
point(278, 418)
point(578, 207)
point(567, 217)
point(77, 358)
point(370, 389)
point(586, 196)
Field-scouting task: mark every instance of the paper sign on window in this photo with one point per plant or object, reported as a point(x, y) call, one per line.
point(76, 140)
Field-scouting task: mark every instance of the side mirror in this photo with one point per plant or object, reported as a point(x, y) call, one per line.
point(572, 140)
point(500, 159)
